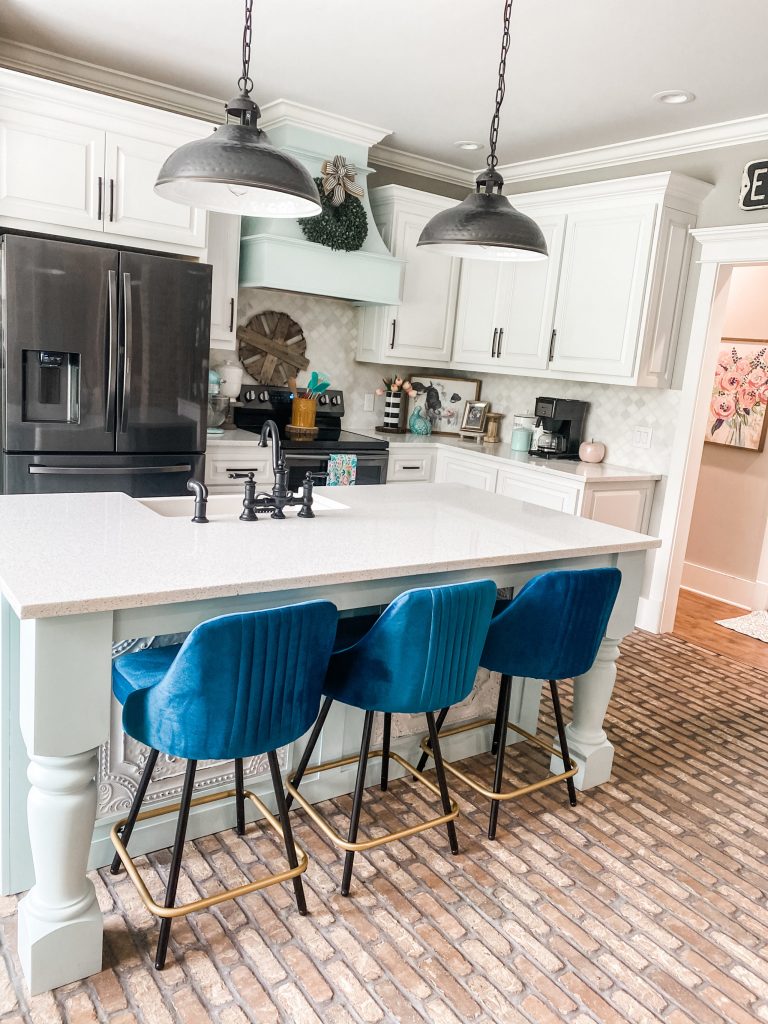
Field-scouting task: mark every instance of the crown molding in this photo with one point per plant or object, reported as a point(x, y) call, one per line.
point(281, 112)
point(32, 60)
point(424, 166)
point(734, 243)
point(692, 140)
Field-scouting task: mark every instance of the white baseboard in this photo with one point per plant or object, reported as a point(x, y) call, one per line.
point(719, 585)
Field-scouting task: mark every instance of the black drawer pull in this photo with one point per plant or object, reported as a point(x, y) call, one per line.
point(410, 467)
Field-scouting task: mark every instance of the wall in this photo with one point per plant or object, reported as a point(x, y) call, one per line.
point(731, 506)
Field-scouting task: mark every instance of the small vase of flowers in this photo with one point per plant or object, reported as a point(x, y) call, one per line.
point(396, 392)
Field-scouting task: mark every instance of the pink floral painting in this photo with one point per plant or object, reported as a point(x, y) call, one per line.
point(740, 395)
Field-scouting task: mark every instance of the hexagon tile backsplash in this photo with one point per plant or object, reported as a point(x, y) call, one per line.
point(331, 327)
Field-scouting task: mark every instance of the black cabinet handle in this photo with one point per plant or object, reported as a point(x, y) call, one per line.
point(394, 328)
point(231, 315)
point(100, 213)
point(111, 198)
point(244, 472)
point(498, 346)
point(493, 344)
point(410, 467)
point(552, 341)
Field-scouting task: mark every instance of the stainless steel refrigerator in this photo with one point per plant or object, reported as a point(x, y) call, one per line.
point(104, 368)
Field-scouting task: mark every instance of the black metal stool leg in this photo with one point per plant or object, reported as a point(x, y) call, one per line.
point(141, 791)
point(175, 868)
point(437, 754)
point(563, 741)
point(502, 718)
point(240, 796)
point(285, 824)
point(438, 725)
point(385, 751)
point(499, 732)
point(357, 801)
point(309, 750)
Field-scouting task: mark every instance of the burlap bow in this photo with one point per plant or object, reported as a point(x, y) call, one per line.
point(339, 179)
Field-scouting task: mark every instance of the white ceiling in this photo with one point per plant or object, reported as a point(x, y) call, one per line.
point(581, 73)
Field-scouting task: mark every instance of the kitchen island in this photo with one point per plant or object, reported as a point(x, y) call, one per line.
point(81, 571)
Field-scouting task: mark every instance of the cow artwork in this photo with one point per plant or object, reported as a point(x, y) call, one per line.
point(442, 399)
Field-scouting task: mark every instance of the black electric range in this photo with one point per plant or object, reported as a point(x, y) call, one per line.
point(261, 402)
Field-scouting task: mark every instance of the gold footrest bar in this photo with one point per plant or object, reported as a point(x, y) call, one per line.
point(390, 837)
point(219, 897)
point(511, 794)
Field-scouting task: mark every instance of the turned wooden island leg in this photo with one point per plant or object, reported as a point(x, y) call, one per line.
point(65, 688)
point(588, 743)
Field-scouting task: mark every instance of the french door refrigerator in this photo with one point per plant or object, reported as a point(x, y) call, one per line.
point(105, 368)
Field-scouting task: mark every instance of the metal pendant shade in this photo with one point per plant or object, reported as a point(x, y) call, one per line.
point(236, 169)
point(486, 225)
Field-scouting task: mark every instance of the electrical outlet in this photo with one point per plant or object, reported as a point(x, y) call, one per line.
point(642, 436)
point(368, 402)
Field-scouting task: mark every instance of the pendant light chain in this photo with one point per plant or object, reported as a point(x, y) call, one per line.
point(505, 41)
point(245, 82)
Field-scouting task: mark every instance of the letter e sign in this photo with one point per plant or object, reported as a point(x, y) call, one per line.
point(754, 186)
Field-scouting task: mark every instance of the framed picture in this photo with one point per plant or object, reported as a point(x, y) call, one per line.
point(739, 395)
point(442, 400)
point(473, 420)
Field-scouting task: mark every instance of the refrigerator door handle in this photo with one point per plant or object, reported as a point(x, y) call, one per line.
point(127, 342)
point(105, 470)
point(112, 353)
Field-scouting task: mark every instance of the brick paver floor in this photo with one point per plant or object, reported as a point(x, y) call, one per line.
point(646, 902)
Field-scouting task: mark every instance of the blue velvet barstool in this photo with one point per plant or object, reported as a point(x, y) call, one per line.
point(551, 630)
point(239, 686)
point(420, 654)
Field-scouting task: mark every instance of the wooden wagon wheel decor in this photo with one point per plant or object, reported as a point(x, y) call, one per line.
point(272, 348)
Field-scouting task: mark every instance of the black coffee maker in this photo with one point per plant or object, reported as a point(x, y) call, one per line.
point(560, 428)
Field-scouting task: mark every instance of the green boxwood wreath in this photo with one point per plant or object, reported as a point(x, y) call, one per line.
point(339, 227)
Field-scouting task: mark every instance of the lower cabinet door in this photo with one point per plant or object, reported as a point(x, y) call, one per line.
point(467, 470)
point(624, 505)
point(527, 485)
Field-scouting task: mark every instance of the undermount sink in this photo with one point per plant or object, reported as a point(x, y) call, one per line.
point(226, 506)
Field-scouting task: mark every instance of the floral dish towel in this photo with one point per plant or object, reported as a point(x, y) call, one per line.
point(342, 470)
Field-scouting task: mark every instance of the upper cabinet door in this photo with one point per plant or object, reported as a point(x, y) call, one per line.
point(602, 290)
point(526, 303)
point(423, 323)
point(481, 284)
point(224, 256)
point(51, 170)
point(132, 207)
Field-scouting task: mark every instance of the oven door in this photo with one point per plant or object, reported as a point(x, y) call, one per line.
point(371, 468)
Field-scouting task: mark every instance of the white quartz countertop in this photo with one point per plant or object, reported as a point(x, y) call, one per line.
point(64, 554)
point(570, 469)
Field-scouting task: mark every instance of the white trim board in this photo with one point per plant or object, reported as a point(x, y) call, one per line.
point(719, 585)
point(33, 60)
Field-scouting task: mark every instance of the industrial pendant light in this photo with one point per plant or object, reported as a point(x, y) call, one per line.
point(485, 225)
point(237, 170)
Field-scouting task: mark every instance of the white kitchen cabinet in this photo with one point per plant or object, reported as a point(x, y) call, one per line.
point(620, 504)
point(420, 329)
point(51, 171)
point(460, 468)
point(86, 162)
point(416, 463)
point(505, 311)
point(132, 207)
point(222, 459)
point(602, 290)
point(539, 488)
point(224, 256)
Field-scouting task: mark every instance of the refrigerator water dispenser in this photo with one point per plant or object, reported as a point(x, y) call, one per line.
point(51, 386)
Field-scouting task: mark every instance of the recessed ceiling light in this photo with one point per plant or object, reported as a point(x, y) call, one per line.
point(674, 96)
point(468, 145)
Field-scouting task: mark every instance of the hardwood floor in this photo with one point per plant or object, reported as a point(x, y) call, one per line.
point(696, 622)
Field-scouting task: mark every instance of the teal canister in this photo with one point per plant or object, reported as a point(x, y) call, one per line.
point(521, 438)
